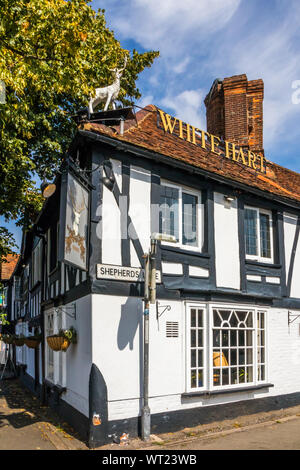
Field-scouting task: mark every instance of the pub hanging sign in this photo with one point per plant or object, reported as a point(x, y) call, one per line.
point(74, 213)
point(211, 142)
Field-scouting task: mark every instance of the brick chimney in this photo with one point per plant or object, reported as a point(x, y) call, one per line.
point(234, 111)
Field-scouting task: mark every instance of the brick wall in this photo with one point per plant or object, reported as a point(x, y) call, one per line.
point(234, 111)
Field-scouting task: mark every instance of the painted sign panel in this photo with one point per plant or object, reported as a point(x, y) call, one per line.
point(122, 273)
point(74, 218)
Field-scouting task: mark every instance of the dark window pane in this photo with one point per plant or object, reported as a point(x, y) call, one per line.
point(189, 219)
point(225, 376)
point(169, 211)
point(193, 357)
point(233, 320)
point(241, 356)
point(249, 321)
point(193, 317)
point(200, 359)
point(217, 319)
point(193, 338)
point(242, 375)
point(233, 335)
point(249, 356)
point(250, 232)
point(233, 357)
point(233, 378)
point(217, 377)
point(193, 378)
point(265, 244)
point(249, 374)
point(200, 338)
point(225, 338)
point(241, 338)
point(216, 338)
point(200, 378)
point(249, 336)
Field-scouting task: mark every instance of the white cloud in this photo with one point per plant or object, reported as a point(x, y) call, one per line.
point(270, 54)
point(181, 66)
point(187, 106)
point(200, 40)
point(167, 24)
point(145, 100)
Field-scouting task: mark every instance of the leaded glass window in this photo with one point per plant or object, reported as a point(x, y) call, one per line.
point(258, 240)
point(232, 358)
point(226, 347)
point(196, 348)
point(179, 214)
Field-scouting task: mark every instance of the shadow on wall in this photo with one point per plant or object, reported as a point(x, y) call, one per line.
point(131, 320)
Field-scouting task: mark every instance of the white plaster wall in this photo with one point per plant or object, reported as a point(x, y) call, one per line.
point(78, 358)
point(166, 356)
point(226, 242)
point(140, 208)
point(284, 352)
point(167, 364)
point(117, 346)
point(111, 222)
point(117, 342)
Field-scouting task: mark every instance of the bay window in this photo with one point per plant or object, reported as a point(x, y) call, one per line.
point(226, 347)
point(179, 215)
point(258, 234)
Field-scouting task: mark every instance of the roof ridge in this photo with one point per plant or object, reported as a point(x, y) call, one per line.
point(133, 127)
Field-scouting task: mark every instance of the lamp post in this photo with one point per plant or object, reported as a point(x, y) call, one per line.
point(149, 298)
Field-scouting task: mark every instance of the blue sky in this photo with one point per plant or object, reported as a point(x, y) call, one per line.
point(200, 40)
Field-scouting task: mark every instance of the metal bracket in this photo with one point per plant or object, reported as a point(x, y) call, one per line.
point(62, 309)
point(166, 308)
point(290, 315)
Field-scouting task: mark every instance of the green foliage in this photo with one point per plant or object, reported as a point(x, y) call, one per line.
point(53, 54)
point(70, 334)
point(7, 244)
point(3, 319)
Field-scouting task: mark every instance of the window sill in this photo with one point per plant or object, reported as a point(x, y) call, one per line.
point(184, 251)
point(208, 393)
point(55, 387)
point(263, 263)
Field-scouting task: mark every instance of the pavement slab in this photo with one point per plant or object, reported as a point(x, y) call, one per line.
point(27, 425)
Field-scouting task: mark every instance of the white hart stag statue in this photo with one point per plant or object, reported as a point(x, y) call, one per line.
point(109, 93)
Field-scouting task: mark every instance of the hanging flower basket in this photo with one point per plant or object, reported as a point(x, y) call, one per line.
point(32, 341)
point(7, 339)
point(58, 342)
point(19, 341)
point(62, 340)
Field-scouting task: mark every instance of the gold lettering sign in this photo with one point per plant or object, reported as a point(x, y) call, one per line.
point(207, 141)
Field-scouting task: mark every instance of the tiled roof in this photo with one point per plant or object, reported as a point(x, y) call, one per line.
point(7, 267)
point(144, 132)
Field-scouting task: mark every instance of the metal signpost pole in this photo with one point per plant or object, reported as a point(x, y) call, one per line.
point(149, 298)
point(146, 410)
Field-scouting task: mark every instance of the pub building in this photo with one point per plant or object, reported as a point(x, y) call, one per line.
point(224, 336)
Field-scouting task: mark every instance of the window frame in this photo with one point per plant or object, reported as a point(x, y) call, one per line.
point(199, 214)
point(59, 357)
point(208, 327)
point(36, 262)
point(258, 257)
